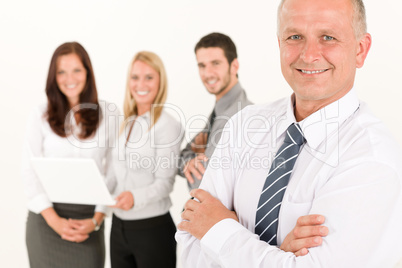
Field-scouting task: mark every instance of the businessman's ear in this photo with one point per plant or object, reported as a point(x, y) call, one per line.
point(363, 49)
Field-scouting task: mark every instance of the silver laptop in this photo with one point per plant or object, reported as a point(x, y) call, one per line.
point(72, 180)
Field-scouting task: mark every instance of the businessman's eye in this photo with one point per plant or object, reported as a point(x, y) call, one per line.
point(328, 38)
point(295, 37)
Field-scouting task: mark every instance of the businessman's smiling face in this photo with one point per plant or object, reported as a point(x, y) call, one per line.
point(318, 48)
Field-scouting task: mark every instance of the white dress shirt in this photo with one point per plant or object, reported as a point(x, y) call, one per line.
point(349, 170)
point(146, 166)
point(41, 141)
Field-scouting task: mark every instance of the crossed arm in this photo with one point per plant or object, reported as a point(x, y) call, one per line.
point(200, 216)
point(210, 235)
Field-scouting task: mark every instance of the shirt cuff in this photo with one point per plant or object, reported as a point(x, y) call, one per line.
point(103, 209)
point(214, 240)
point(39, 203)
point(140, 198)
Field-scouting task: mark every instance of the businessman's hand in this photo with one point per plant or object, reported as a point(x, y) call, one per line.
point(200, 216)
point(195, 167)
point(307, 233)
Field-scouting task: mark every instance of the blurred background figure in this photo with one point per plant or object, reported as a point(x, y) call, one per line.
point(143, 171)
point(66, 235)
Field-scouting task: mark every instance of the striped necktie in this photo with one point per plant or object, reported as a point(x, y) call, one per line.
point(275, 185)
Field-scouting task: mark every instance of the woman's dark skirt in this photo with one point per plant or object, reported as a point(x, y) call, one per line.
point(47, 250)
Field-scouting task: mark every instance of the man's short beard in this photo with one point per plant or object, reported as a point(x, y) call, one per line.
point(224, 87)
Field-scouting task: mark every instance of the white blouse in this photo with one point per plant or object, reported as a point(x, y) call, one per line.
point(146, 166)
point(41, 141)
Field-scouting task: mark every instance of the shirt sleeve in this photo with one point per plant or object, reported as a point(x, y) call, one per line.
point(195, 253)
point(112, 120)
point(348, 208)
point(185, 155)
point(111, 182)
point(167, 138)
point(110, 179)
point(360, 192)
point(32, 147)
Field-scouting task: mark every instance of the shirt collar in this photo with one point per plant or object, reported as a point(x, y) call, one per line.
point(223, 103)
point(146, 115)
point(323, 122)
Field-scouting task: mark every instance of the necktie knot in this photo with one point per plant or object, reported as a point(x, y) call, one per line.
point(294, 135)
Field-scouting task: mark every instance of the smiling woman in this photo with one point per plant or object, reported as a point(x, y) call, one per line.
point(144, 85)
point(142, 224)
point(71, 81)
point(66, 235)
point(71, 77)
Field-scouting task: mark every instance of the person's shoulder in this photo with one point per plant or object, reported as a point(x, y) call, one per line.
point(39, 111)
point(40, 108)
point(242, 98)
point(271, 108)
point(37, 116)
point(168, 129)
point(257, 114)
point(168, 120)
point(364, 121)
point(369, 136)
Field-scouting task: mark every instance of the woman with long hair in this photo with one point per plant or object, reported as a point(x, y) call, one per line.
point(57, 234)
point(143, 171)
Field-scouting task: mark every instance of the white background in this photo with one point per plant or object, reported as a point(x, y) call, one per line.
point(113, 31)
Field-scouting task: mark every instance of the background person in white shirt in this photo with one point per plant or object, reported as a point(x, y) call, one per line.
point(349, 170)
point(62, 235)
point(143, 171)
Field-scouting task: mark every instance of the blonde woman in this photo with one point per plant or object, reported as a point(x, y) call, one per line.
point(143, 171)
